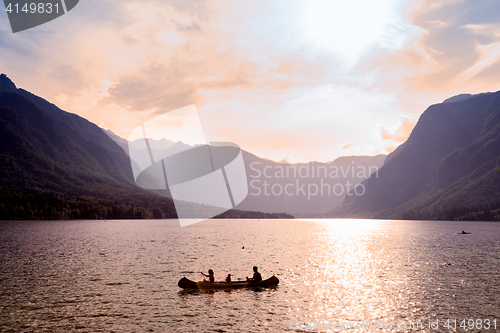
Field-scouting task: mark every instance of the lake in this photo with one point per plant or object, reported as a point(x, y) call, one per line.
point(121, 276)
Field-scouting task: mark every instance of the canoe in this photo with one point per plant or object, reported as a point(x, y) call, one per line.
point(188, 284)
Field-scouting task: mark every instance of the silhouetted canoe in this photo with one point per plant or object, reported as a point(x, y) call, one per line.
point(188, 284)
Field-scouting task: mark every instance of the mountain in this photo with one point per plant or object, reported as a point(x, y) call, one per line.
point(447, 169)
point(306, 189)
point(48, 152)
point(6, 84)
point(90, 137)
point(267, 179)
point(45, 147)
point(54, 164)
point(120, 141)
point(458, 98)
point(161, 148)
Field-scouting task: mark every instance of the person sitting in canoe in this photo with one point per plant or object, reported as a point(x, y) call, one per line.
point(228, 278)
point(256, 275)
point(210, 276)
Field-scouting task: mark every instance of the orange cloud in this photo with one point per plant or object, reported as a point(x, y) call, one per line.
point(401, 133)
point(390, 149)
point(261, 84)
point(455, 49)
point(346, 146)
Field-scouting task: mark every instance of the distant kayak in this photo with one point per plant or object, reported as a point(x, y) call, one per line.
point(188, 284)
point(463, 233)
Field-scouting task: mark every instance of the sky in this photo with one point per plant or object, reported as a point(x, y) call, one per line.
point(284, 79)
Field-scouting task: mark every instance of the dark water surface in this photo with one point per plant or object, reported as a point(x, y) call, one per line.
point(121, 276)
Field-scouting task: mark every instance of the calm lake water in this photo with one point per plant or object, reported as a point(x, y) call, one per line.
point(121, 276)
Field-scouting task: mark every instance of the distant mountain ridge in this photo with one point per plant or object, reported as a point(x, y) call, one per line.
point(120, 141)
point(304, 189)
point(447, 169)
point(300, 202)
point(55, 164)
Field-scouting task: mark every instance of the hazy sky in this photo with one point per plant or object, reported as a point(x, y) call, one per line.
point(301, 80)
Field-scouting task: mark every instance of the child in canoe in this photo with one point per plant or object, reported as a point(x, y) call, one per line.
point(210, 276)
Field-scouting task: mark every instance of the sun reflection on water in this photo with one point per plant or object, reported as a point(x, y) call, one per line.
point(347, 273)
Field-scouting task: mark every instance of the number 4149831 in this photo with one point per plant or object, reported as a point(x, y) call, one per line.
point(471, 324)
point(33, 8)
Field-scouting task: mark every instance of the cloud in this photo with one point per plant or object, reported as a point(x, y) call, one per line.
point(390, 149)
point(346, 146)
point(401, 133)
point(256, 76)
point(487, 29)
point(456, 43)
point(453, 50)
point(163, 56)
point(392, 138)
